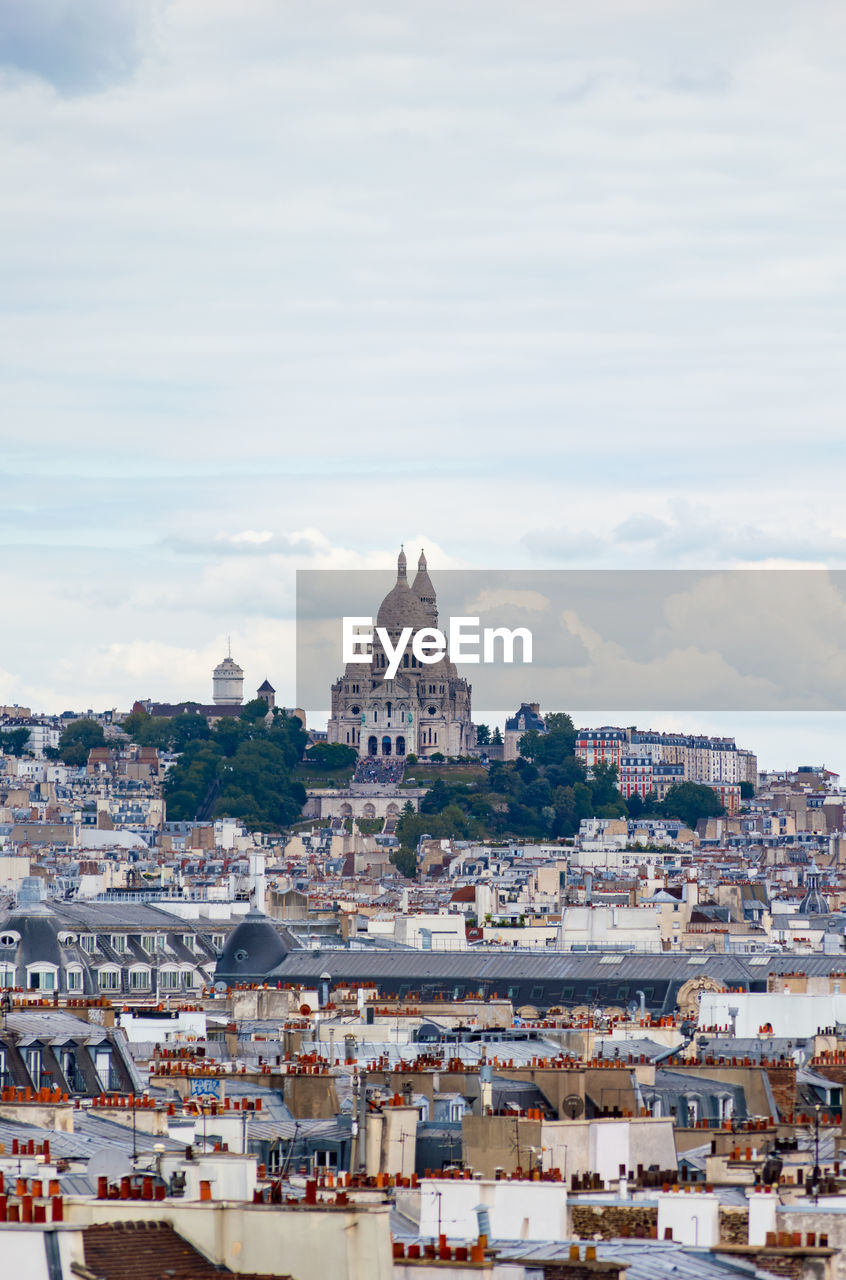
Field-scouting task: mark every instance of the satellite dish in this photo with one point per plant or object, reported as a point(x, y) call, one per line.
point(109, 1163)
point(220, 988)
point(573, 1106)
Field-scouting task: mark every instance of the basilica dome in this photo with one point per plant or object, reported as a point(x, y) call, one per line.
point(401, 607)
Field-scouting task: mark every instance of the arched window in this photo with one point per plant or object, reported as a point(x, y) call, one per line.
point(372, 745)
point(41, 977)
point(139, 978)
point(400, 745)
point(386, 746)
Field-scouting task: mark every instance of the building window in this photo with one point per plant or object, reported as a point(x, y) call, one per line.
point(7, 977)
point(109, 980)
point(41, 979)
point(139, 979)
point(218, 941)
point(148, 941)
point(169, 979)
point(33, 1066)
point(88, 942)
point(74, 979)
point(118, 941)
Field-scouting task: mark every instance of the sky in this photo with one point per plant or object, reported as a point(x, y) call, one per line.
point(282, 285)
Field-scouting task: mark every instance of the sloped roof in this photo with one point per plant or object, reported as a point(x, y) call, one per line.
point(147, 1251)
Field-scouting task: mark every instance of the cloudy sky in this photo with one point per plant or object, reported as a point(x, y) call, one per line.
point(534, 284)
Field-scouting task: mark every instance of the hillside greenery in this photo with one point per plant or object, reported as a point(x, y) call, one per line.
point(543, 795)
point(241, 768)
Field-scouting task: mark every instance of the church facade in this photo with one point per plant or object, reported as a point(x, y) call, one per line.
point(425, 708)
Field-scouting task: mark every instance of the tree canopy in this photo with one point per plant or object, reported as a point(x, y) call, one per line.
point(243, 769)
point(330, 755)
point(691, 801)
point(78, 738)
point(14, 742)
point(543, 794)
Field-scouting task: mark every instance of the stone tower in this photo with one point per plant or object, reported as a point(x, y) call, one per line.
point(228, 682)
point(268, 693)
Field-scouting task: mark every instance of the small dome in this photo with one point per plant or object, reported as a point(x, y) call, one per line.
point(228, 667)
point(813, 903)
point(251, 952)
point(401, 607)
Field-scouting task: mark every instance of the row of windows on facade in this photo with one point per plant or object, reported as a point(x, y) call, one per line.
point(354, 688)
point(69, 1061)
point(149, 942)
point(45, 978)
point(118, 941)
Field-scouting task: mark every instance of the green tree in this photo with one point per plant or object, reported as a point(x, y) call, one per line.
point(330, 755)
point(747, 791)
point(553, 747)
point(229, 733)
point(186, 728)
point(15, 742)
point(436, 798)
point(603, 784)
point(496, 740)
point(256, 786)
point(634, 804)
point(78, 738)
point(691, 801)
point(405, 861)
point(560, 722)
point(483, 735)
point(530, 745)
point(255, 710)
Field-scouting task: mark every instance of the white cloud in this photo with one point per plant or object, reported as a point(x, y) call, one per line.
point(281, 283)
